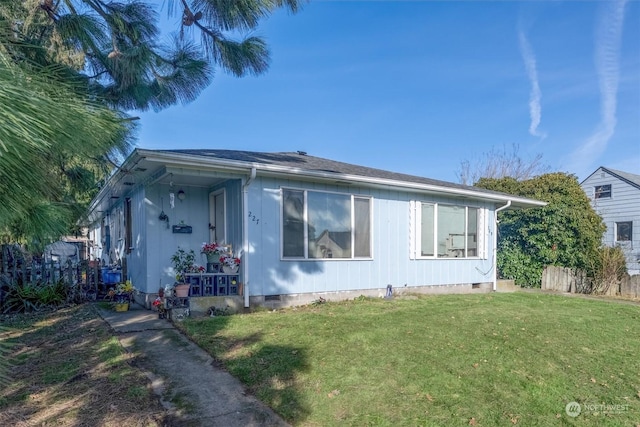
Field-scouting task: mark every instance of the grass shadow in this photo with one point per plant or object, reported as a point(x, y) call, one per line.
point(267, 370)
point(66, 369)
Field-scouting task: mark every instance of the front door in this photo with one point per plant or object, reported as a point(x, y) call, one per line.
point(217, 222)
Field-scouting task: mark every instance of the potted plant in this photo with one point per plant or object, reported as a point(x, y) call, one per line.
point(230, 264)
point(122, 295)
point(183, 263)
point(212, 251)
point(159, 305)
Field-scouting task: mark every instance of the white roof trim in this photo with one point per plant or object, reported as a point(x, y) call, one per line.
point(194, 160)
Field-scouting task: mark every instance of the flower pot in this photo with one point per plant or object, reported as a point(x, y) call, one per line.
point(212, 257)
point(122, 306)
point(182, 290)
point(229, 270)
point(122, 298)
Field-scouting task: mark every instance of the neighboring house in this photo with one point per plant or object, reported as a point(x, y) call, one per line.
point(615, 196)
point(303, 226)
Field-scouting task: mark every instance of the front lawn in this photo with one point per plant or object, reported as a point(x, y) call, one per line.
point(484, 360)
point(66, 368)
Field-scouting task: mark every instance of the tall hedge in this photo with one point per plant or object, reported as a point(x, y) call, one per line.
point(567, 232)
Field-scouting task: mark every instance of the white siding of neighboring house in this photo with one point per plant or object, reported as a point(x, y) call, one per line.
point(622, 206)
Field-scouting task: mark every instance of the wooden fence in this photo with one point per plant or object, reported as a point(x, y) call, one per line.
point(576, 281)
point(51, 272)
point(18, 267)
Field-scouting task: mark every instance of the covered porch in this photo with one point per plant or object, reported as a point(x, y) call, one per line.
point(155, 206)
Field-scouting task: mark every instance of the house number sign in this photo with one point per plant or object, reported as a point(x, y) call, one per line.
point(253, 218)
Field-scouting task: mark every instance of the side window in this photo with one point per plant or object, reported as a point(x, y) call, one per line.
point(624, 231)
point(449, 231)
point(602, 191)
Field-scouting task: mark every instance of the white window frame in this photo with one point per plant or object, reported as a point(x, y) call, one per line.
point(306, 257)
point(603, 194)
point(416, 236)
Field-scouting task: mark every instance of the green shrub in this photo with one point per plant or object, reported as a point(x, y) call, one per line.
point(514, 263)
point(566, 232)
point(33, 296)
point(52, 294)
point(21, 298)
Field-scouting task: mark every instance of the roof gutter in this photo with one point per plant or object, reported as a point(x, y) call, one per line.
point(245, 234)
point(495, 244)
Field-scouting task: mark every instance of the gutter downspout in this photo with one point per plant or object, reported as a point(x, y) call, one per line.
point(245, 234)
point(495, 245)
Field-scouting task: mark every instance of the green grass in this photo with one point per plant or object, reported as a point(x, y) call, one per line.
point(490, 359)
point(59, 372)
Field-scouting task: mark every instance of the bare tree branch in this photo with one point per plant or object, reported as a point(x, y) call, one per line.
point(498, 163)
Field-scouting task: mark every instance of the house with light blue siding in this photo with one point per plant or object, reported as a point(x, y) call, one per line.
point(304, 227)
point(615, 196)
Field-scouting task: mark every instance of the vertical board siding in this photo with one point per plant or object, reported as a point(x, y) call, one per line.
point(137, 258)
point(162, 242)
point(149, 263)
point(391, 264)
point(233, 191)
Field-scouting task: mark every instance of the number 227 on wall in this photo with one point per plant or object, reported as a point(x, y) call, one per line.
point(253, 218)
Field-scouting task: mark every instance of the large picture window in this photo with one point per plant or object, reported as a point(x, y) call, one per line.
point(325, 225)
point(448, 231)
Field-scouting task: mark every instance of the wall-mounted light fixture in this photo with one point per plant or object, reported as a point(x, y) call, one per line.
point(181, 195)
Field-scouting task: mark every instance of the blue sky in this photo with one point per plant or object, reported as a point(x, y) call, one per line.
point(419, 86)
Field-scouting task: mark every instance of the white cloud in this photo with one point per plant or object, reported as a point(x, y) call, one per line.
point(607, 62)
point(535, 95)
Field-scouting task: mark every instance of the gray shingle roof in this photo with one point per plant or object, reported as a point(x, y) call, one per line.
point(630, 178)
point(317, 164)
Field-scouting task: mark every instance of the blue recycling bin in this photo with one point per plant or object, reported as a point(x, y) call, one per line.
point(111, 277)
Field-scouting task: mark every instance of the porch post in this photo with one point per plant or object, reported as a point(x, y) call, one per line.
point(245, 234)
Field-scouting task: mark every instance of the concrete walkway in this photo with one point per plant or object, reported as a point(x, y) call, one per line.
point(193, 390)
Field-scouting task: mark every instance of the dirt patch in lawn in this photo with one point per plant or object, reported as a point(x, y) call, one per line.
point(66, 368)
